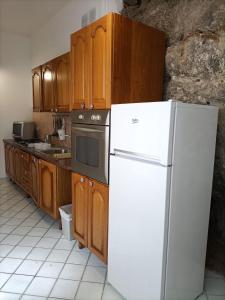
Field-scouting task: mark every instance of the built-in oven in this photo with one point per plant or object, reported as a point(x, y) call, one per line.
point(90, 143)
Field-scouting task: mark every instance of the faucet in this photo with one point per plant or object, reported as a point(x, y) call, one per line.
point(47, 138)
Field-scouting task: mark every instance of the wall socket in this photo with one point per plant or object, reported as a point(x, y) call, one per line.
point(92, 15)
point(84, 20)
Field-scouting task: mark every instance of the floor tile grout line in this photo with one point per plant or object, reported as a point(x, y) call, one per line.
point(62, 268)
point(89, 255)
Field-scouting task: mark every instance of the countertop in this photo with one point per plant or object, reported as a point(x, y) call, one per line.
point(64, 163)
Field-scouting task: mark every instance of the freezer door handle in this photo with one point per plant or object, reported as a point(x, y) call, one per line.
point(136, 156)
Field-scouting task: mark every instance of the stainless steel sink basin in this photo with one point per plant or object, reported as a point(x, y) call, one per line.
point(57, 152)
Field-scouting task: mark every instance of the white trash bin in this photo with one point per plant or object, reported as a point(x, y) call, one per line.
point(66, 217)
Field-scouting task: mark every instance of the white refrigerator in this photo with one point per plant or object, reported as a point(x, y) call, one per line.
point(161, 170)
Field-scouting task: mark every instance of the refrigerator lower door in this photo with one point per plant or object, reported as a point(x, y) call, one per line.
point(138, 207)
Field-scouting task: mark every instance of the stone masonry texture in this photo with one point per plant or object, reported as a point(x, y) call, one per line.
point(195, 72)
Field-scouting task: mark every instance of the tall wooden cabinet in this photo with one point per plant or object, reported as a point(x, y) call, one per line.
point(37, 89)
point(90, 214)
point(116, 60)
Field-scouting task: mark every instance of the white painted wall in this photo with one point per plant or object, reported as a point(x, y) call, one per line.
point(15, 85)
point(53, 38)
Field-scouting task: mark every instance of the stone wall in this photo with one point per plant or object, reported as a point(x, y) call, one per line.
point(195, 72)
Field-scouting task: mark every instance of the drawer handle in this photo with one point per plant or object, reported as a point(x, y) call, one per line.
point(91, 183)
point(81, 179)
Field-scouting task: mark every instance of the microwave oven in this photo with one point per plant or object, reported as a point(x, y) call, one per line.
point(23, 130)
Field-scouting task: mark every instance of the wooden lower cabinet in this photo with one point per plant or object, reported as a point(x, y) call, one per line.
point(54, 188)
point(80, 208)
point(34, 170)
point(90, 214)
point(48, 185)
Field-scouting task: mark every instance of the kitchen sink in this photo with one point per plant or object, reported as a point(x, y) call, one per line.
point(57, 152)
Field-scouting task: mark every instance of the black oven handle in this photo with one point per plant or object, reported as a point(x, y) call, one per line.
point(86, 129)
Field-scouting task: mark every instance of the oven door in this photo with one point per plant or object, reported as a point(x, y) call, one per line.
point(90, 151)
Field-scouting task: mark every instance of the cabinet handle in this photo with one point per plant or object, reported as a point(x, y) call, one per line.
point(51, 109)
point(56, 109)
point(91, 106)
point(81, 179)
point(82, 105)
point(91, 183)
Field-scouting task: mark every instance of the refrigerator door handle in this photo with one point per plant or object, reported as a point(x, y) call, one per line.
point(137, 156)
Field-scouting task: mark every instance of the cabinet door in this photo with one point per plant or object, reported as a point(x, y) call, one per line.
point(34, 180)
point(47, 187)
point(37, 91)
point(25, 172)
point(62, 82)
point(79, 69)
point(79, 206)
point(98, 219)
point(100, 62)
point(11, 161)
point(7, 168)
point(48, 87)
point(17, 156)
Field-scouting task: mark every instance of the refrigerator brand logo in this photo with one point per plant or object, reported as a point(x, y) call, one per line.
point(134, 121)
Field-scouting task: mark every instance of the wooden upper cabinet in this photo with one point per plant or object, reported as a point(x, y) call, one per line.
point(80, 209)
point(37, 89)
point(98, 219)
point(79, 69)
point(100, 62)
point(48, 87)
point(47, 187)
point(62, 82)
point(125, 63)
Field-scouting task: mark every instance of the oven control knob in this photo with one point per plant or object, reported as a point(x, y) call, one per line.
point(93, 117)
point(81, 117)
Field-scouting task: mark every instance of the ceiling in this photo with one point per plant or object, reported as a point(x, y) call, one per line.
point(25, 16)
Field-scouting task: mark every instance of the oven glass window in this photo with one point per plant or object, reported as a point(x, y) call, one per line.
point(87, 151)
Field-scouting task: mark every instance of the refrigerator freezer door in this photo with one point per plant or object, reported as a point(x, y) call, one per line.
point(144, 129)
point(137, 222)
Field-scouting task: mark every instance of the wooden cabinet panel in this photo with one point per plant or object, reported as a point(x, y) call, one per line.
point(11, 162)
point(100, 63)
point(37, 89)
point(79, 69)
point(80, 209)
point(18, 166)
point(48, 87)
point(7, 168)
point(62, 82)
point(98, 219)
point(47, 187)
point(34, 179)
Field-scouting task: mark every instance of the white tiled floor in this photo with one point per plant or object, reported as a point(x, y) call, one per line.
point(37, 263)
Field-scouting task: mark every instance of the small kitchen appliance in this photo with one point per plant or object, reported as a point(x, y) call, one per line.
point(161, 170)
point(23, 131)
